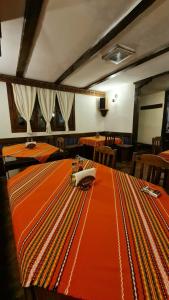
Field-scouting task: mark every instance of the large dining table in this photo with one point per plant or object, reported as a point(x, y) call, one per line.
point(108, 242)
point(40, 152)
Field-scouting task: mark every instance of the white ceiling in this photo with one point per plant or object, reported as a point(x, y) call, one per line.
point(70, 27)
point(10, 45)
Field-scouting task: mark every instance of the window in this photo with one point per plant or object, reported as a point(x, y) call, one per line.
point(38, 124)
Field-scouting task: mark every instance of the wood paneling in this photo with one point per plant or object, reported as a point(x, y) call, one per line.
point(153, 106)
point(48, 138)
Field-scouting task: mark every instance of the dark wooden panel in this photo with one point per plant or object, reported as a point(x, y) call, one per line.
point(127, 20)
point(153, 106)
point(0, 38)
point(49, 138)
point(135, 116)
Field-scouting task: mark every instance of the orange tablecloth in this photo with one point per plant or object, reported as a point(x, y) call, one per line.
point(165, 155)
point(97, 141)
point(106, 243)
point(41, 152)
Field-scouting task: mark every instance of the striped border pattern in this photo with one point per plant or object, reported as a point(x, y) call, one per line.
point(43, 249)
point(148, 230)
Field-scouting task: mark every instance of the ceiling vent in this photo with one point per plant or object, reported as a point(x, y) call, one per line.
point(118, 54)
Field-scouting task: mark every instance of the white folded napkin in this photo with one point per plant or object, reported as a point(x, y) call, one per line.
point(30, 143)
point(82, 174)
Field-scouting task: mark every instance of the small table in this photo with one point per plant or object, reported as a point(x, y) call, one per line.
point(40, 152)
point(97, 141)
point(93, 141)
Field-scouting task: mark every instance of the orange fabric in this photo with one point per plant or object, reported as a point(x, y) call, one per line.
point(105, 258)
point(96, 141)
point(165, 155)
point(41, 152)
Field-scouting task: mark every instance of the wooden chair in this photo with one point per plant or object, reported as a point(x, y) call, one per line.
point(153, 168)
point(110, 140)
point(2, 168)
point(60, 143)
point(136, 157)
point(156, 145)
point(105, 155)
point(70, 145)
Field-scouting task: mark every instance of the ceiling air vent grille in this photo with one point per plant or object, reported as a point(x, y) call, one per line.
point(118, 54)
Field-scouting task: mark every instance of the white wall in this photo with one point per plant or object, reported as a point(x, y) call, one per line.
point(88, 118)
point(120, 115)
point(150, 121)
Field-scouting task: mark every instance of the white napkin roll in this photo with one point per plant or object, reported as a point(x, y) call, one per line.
point(82, 174)
point(29, 143)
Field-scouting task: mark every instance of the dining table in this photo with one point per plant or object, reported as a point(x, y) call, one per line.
point(41, 152)
point(97, 141)
point(108, 242)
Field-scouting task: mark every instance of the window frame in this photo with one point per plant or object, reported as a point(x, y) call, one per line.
point(55, 126)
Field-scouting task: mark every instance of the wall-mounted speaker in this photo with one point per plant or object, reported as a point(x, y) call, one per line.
point(102, 103)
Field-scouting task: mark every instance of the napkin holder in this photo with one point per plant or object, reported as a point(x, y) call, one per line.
point(84, 179)
point(86, 182)
point(30, 145)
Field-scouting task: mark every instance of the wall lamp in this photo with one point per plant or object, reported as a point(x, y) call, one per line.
point(115, 98)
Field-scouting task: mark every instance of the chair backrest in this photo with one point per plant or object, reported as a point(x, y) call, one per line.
point(136, 157)
point(156, 145)
point(151, 168)
point(105, 155)
point(60, 143)
point(110, 139)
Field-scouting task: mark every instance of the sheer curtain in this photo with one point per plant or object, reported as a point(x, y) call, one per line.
point(47, 105)
point(65, 103)
point(24, 97)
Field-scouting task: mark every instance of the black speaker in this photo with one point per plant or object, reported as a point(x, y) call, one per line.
point(102, 103)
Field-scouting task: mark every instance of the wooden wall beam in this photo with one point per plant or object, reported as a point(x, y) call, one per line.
point(49, 85)
point(127, 20)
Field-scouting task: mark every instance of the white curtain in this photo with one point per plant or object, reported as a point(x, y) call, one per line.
point(24, 97)
point(47, 105)
point(65, 103)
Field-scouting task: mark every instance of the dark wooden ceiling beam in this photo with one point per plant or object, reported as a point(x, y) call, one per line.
point(49, 85)
point(134, 64)
point(137, 11)
point(0, 39)
point(141, 83)
point(31, 17)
